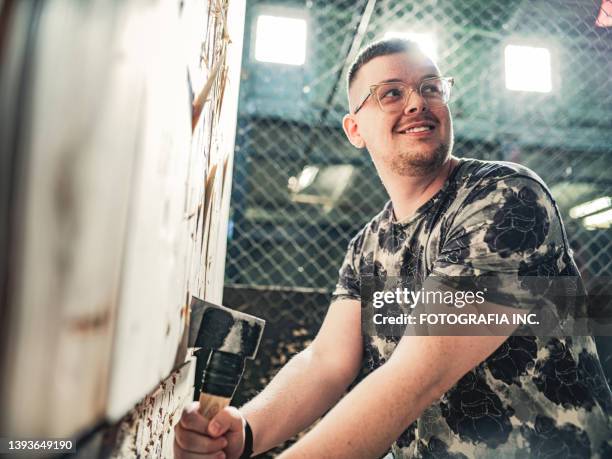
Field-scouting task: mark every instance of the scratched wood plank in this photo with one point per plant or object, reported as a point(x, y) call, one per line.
point(117, 215)
point(202, 175)
point(174, 204)
point(151, 318)
point(224, 142)
point(219, 139)
point(148, 429)
point(78, 140)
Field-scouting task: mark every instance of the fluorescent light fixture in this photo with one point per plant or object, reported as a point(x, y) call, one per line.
point(324, 185)
point(280, 40)
point(590, 207)
point(304, 180)
point(528, 68)
point(426, 41)
point(601, 220)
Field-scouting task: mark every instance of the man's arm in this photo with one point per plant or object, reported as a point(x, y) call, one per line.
point(374, 414)
point(312, 382)
point(299, 394)
point(485, 239)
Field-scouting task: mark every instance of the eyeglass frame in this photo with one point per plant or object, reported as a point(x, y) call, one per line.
point(451, 80)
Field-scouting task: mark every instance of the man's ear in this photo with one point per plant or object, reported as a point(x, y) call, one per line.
point(349, 124)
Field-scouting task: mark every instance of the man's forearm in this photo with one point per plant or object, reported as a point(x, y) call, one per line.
point(299, 394)
point(373, 415)
point(367, 420)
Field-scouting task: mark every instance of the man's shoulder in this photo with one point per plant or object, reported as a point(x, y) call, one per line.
point(382, 218)
point(476, 172)
point(478, 179)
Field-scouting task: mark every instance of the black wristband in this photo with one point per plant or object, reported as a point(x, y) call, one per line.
point(248, 441)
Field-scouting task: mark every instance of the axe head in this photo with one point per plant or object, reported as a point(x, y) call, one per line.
point(219, 328)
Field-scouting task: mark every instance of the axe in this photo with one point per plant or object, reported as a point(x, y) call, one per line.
point(231, 337)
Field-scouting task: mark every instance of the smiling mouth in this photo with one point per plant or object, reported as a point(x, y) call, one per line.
point(417, 130)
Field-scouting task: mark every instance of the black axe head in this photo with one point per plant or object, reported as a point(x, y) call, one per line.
point(219, 328)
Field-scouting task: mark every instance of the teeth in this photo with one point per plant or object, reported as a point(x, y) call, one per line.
point(419, 129)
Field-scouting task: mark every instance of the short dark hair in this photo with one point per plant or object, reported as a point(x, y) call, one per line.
point(376, 49)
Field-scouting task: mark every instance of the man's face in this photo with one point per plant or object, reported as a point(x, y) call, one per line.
point(384, 134)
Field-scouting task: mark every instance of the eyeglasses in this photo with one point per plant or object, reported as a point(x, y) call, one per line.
point(393, 97)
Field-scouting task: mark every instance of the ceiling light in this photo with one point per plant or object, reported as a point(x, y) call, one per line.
point(590, 207)
point(322, 185)
point(527, 68)
point(601, 220)
point(280, 40)
point(426, 41)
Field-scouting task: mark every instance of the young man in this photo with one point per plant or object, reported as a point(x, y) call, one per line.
point(427, 396)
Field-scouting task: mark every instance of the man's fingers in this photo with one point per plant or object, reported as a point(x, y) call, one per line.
point(228, 419)
point(191, 419)
point(197, 442)
point(180, 453)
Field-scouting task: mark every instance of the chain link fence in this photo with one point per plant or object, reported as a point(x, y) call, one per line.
point(301, 191)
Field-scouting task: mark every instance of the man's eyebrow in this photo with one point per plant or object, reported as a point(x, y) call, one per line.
point(392, 80)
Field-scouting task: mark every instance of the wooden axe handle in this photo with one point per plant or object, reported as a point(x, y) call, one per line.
point(210, 405)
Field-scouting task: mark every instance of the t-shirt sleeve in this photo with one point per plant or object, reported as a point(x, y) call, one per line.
point(349, 283)
point(509, 231)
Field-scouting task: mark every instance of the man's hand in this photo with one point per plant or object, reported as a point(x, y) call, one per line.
point(221, 438)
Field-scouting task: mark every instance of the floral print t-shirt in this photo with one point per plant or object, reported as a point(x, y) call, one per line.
point(533, 397)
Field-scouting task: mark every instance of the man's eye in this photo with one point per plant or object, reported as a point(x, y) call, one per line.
point(392, 93)
point(430, 89)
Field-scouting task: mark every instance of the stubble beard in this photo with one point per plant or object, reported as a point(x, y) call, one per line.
point(419, 164)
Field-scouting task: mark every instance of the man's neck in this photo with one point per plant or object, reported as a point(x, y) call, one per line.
point(409, 193)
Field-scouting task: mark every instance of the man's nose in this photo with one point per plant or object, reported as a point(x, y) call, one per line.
point(415, 103)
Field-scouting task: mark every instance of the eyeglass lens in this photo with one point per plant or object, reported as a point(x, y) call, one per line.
point(393, 96)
